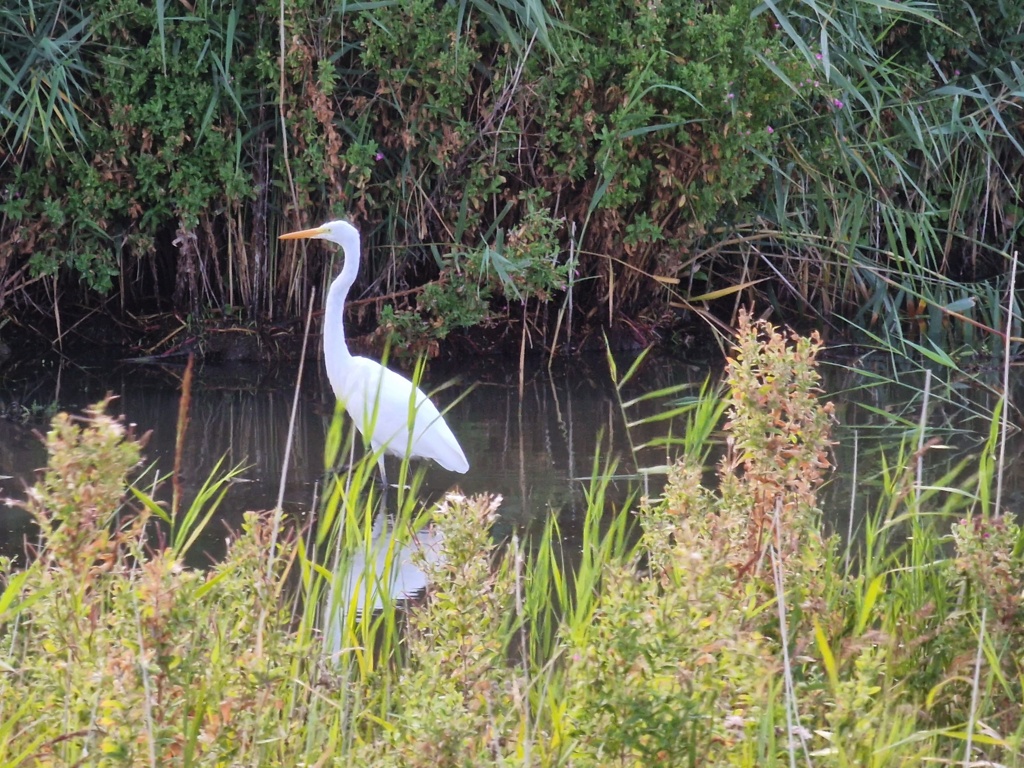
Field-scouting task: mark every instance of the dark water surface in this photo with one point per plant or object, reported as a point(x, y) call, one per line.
point(536, 450)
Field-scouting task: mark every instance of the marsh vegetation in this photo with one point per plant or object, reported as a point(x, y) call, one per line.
point(541, 178)
point(523, 174)
point(713, 625)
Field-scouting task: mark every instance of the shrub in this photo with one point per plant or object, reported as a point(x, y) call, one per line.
point(470, 157)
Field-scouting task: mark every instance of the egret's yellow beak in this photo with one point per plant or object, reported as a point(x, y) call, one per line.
point(304, 233)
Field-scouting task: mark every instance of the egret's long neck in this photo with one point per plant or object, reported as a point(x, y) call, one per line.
point(336, 352)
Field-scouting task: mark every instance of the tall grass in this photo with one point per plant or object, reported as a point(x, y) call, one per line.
point(729, 632)
point(897, 219)
point(43, 76)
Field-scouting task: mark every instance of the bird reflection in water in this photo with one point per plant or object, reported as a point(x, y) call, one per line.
point(386, 568)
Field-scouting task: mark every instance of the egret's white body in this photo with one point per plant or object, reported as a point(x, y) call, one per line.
point(382, 403)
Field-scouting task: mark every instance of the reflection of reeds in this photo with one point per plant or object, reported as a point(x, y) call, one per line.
point(251, 426)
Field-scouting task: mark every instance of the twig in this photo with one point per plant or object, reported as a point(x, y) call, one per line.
point(974, 691)
point(390, 296)
point(147, 699)
point(279, 507)
point(562, 311)
point(793, 728)
point(520, 614)
point(1004, 419)
point(853, 503)
point(522, 356)
point(56, 317)
point(922, 426)
point(281, 104)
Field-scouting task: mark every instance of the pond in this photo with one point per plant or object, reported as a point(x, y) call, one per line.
point(531, 438)
point(535, 447)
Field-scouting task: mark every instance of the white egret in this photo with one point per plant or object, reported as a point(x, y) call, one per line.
point(383, 404)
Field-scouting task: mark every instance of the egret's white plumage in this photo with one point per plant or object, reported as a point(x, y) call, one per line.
point(382, 403)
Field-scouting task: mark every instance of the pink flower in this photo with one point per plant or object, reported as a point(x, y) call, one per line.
point(379, 156)
point(817, 56)
point(837, 103)
point(770, 129)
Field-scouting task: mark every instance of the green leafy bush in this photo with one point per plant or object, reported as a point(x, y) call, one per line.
point(167, 164)
point(655, 115)
point(157, 151)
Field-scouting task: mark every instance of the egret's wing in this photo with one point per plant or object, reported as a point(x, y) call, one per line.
point(383, 404)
